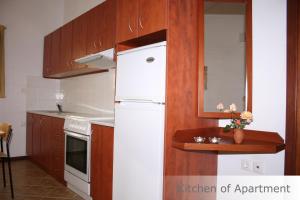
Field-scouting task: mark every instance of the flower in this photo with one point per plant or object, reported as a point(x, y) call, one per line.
point(246, 115)
point(232, 107)
point(246, 118)
point(220, 106)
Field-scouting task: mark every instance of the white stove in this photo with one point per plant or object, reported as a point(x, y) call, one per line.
point(78, 152)
point(82, 124)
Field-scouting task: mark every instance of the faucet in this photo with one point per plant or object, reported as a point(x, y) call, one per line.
point(59, 107)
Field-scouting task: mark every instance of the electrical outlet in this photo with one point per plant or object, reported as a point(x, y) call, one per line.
point(246, 165)
point(258, 167)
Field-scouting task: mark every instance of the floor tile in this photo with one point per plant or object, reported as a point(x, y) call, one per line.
point(32, 183)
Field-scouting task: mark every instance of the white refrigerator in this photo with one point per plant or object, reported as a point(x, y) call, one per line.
point(139, 123)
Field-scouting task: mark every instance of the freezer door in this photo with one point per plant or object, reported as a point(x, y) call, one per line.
point(138, 151)
point(141, 75)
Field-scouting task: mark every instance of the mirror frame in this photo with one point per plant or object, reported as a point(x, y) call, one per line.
point(248, 32)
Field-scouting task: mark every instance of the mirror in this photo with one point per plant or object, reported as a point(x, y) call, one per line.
point(225, 64)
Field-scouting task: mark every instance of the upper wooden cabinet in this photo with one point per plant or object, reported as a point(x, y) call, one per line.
point(47, 55)
point(55, 51)
point(66, 61)
point(79, 38)
point(92, 32)
point(52, 53)
point(94, 27)
point(127, 19)
point(101, 27)
point(137, 18)
point(152, 16)
point(109, 24)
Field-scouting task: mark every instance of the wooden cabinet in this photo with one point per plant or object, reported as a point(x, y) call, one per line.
point(55, 52)
point(45, 159)
point(47, 143)
point(95, 26)
point(102, 162)
point(101, 27)
point(137, 18)
point(109, 24)
point(36, 139)
point(29, 124)
point(58, 148)
point(79, 38)
point(92, 32)
point(152, 16)
point(127, 23)
point(47, 56)
point(66, 61)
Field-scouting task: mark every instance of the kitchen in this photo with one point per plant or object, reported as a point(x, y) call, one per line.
point(95, 93)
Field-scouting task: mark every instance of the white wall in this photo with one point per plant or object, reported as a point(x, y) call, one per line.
point(27, 23)
point(74, 8)
point(269, 84)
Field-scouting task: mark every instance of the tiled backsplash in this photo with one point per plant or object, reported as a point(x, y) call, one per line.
point(84, 94)
point(90, 93)
point(40, 93)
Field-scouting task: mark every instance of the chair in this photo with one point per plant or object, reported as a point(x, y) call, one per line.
point(7, 130)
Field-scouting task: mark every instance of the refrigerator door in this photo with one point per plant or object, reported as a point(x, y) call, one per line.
point(141, 74)
point(138, 151)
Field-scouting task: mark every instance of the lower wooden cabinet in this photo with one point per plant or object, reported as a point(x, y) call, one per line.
point(58, 150)
point(29, 135)
point(102, 162)
point(46, 147)
point(45, 143)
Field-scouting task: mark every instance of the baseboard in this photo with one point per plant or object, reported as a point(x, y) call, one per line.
point(19, 158)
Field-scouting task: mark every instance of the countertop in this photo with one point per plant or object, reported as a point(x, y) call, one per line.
point(63, 115)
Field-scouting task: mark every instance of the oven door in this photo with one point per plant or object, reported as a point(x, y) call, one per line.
point(77, 155)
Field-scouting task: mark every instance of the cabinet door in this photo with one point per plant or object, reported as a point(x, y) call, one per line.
point(55, 51)
point(36, 138)
point(66, 47)
point(127, 19)
point(47, 55)
point(46, 147)
point(58, 141)
point(109, 27)
point(152, 16)
point(95, 29)
point(79, 38)
point(29, 124)
point(102, 162)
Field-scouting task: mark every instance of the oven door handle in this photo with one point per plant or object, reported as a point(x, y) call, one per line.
point(75, 135)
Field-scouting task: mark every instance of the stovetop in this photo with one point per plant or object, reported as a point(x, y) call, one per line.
point(81, 123)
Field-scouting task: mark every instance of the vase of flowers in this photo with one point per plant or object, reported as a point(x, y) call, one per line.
point(238, 125)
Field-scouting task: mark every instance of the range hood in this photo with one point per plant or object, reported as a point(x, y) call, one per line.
point(102, 60)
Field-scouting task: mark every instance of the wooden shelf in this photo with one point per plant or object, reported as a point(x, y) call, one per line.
point(258, 142)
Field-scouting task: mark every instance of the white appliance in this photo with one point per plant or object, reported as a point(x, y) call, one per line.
point(78, 153)
point(139, 123)
point(100, 60)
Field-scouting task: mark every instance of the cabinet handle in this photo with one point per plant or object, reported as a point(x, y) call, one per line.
point(95, 44)
point(140, 22)
point(129, 26)
point(100, 43)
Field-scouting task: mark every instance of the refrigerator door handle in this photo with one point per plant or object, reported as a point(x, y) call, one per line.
point(139, 101)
